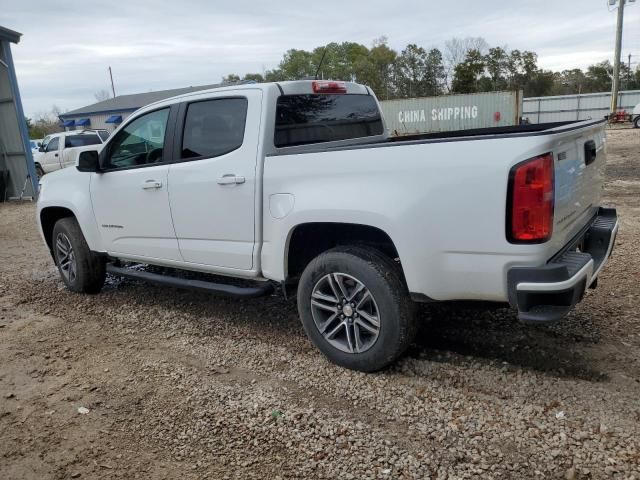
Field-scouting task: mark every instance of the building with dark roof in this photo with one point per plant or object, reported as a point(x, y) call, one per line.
point(108, 114)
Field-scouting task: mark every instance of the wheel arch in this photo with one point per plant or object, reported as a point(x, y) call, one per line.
point(308, 240)
point(48, 218)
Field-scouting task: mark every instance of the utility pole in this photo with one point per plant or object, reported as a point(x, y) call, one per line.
point(629, 73)
point(616, 59)
point(113, 89)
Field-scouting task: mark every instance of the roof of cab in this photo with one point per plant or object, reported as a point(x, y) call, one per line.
point(290, 87)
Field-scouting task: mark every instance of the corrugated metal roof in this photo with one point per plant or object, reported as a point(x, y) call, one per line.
point(133, 102)
point(9, 35)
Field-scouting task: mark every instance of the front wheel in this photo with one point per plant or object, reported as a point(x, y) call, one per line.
point(636, 122)
point(39, 170)
point(356, 309)
point(81, 270)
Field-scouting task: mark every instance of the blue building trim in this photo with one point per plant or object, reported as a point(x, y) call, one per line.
point(24, 133)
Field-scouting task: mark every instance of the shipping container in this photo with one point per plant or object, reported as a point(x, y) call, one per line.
point(586, 106)
point(452, 112)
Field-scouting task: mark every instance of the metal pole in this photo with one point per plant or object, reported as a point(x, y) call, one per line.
point(113, 89)
point(22, 125)
point(616, 60)
point(629, 73)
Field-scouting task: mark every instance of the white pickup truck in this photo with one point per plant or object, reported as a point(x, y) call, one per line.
point(297, 184)
point(61, 150)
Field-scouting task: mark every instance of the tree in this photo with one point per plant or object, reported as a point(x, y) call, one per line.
point(570, 82)
point(411, 72)
point(102, 95)
point(599, 77)
point(456, 50)
point(253, 77)
point(435, 77)
point(468, 73)
point(296, 64)
point(496, 61)
point(46, 123)
point(376, 69)
point(231, 78)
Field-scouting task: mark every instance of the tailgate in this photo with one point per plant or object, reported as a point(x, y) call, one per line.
point(580, 158)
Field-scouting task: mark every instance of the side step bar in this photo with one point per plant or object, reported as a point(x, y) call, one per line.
point(190, 284)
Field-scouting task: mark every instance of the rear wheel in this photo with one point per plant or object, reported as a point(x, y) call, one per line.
point(80, 269)
point(355, 308)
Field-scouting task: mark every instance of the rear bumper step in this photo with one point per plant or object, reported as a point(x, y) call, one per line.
point(192, 284)
point(549, 292)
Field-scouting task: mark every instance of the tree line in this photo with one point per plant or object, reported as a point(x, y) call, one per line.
point(467, 65)
point(463, 65)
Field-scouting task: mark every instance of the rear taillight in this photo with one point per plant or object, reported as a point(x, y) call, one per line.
point(531, 200)
point(322, 86)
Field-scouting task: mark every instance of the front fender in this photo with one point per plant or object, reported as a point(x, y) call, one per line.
point(70, 189)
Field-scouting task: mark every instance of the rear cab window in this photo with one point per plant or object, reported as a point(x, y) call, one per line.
point(72, 141)
point(316, 118)
point(104, 135)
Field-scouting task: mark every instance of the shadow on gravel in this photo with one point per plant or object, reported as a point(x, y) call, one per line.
point(558, 350)
point(470, 331)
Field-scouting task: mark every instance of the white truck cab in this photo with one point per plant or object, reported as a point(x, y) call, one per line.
point(60, 150)
point(297, 185)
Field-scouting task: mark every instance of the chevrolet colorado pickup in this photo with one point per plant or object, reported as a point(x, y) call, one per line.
point(298, 184)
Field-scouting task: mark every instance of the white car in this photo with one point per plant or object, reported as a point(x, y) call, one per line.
point(297, 184)
point(635, 116)
point(60, 150)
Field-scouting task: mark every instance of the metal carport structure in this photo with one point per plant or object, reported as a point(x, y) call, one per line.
point(16, 161)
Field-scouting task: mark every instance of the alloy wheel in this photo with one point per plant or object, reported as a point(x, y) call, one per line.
point(66, 257)
point(345, 313)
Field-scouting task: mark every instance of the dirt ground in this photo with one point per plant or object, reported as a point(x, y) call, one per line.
point(179, 384)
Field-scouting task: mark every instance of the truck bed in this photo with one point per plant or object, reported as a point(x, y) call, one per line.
point(476, 132)
point(515, 131)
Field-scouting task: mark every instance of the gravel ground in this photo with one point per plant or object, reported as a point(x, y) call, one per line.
point(149, 382)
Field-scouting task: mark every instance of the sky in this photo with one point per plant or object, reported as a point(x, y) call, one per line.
point(67, 47)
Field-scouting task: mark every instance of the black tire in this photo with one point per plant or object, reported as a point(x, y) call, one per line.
point(39, 170)
point(636, 122)
point(90, 269)
point(383, 279)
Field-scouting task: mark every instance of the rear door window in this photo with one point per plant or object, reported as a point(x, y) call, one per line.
point(307, 119)
point(214, 127)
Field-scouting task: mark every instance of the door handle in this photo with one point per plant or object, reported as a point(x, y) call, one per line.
point(230, 179)
point(151, 184)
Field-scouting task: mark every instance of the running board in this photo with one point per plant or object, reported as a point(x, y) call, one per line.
point(190, 284)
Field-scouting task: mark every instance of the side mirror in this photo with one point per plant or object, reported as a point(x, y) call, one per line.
point(88, 161)
point(41, 148)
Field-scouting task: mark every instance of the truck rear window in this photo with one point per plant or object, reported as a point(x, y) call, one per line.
point(306, 119)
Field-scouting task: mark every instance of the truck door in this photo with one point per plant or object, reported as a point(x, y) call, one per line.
point(213, 180)
point(51, 155)
point(130, 195)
